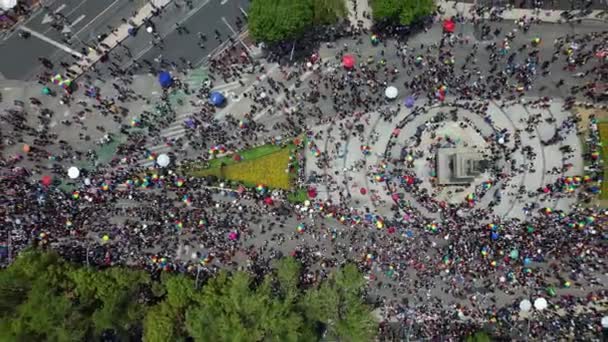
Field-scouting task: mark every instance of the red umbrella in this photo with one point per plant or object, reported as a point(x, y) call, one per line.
point(448, 26)
point(268, 201)
point(46, 180)
point(348, 61)
point(363, 191)
point(312, 192)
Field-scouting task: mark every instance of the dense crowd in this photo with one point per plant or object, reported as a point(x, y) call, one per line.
point(429, 277)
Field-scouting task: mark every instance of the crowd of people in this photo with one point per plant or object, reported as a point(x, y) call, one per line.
point(440, 276)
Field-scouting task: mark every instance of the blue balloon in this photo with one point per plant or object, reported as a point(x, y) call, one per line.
point(165, 79)
point(216, 98)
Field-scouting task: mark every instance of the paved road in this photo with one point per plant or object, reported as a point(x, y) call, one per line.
point(205, 17)
point(88, 19)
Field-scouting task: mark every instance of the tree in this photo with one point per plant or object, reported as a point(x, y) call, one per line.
point(36, 303)
point(273, 21)
point(327, 12)
point(404, 12)
point(165, 320)
point(337, 305)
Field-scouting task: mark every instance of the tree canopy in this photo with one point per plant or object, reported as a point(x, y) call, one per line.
point(274, 21)
point(43, 297)
point(404, 12)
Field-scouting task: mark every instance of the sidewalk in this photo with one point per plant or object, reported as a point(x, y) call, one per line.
point(453, 8)
point(121, 34)
point(357, 15)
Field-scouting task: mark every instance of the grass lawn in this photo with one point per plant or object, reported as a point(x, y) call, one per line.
point(603, 128)
point(266, 164)
point(298, 196)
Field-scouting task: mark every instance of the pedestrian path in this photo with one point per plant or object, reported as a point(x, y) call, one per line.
point(177, 129)
point(453, 8)
point(356, 8)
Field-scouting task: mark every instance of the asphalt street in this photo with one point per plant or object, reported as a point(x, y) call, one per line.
point(205, 17)
point(84, 20)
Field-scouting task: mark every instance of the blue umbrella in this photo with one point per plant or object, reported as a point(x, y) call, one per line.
point(165, 79)
point(409, 101)
point(217, 99)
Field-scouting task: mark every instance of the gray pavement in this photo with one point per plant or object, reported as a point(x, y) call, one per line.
point(84, 20)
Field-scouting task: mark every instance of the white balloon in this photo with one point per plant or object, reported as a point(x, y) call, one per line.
point(163, 160)
point(540, 304)
point(7, 4)
point(391, 92)
point(525, 305)
point(73, 172)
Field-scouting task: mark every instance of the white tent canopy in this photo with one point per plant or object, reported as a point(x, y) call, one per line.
point(391, 92)
point(525, 305)
point(605, 322)
point(163, 160)
point(7, 4)
point(540, 304)
point(73, 172)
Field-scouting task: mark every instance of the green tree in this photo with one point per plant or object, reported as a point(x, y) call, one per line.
point(337, 305)
point(165, 320)
point(327, 12)
point(36, 301)
point(273, 21)
point(112, 297)
point(403, 12)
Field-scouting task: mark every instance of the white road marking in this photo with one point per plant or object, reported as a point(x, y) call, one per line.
point(50, 41)
point(243, 11)
point(60, 8)
point(97, 17)
point(224, 2)
point(236, 34)
point(77, 20)
point(47, 19)
point(190, 14)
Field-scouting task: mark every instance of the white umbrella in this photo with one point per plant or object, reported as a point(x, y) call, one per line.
point(540, 304)
point(605, 322)
point(73, 172)
point(163, 160)
point(149, 29)
point(525, 305)
point(391, 92)
point(7, 4)
point(87, 181)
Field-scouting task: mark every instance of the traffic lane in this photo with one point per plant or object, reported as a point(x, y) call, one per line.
point(86, 31)
point(98, 17)
point(205, 21)
point(164, 25)
point(19, 59)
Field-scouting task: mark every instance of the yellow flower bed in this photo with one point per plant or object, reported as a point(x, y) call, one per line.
point(269, 170)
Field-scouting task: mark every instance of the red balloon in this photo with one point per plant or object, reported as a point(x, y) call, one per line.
point(46, 180)
point(363, 191)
